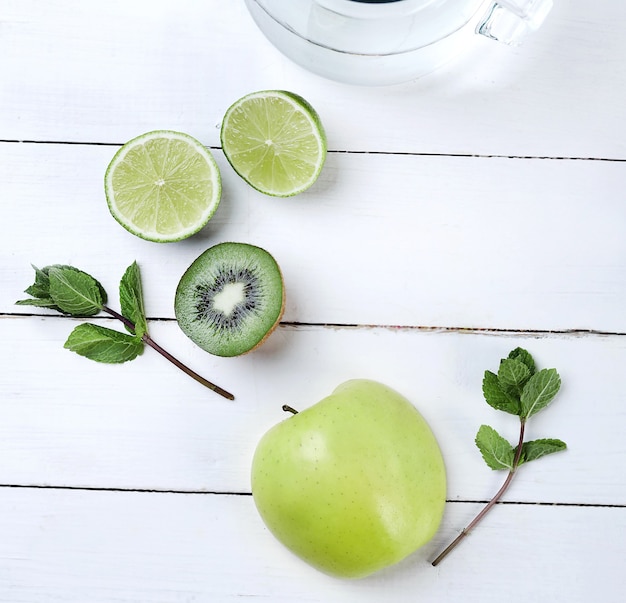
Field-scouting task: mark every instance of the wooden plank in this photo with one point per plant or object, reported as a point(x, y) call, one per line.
point(428, 241)
point(102, 547)
point(112, 71)
point(67, 421)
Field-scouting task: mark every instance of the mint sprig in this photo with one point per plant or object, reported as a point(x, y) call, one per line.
point(73, 292)
point(519, 389)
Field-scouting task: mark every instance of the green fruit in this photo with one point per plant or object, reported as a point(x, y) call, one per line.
point(275, 141)
point(230, 299)
point(354, 483)
point(163, 186)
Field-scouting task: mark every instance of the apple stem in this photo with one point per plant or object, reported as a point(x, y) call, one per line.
point(288, 408)
point(490, 504)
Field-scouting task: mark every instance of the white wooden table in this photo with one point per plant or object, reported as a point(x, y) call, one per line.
point(475, 210)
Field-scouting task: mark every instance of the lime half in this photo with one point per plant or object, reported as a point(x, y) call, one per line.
point(275, 141)
point(163, 186)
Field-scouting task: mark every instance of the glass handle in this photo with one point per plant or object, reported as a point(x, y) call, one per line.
point(510, 21)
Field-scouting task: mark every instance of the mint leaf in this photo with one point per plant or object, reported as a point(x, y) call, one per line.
point(41, 287)
point(38, 302)
point(131, 299)
point(75, 292)
point(496, 397)
point(47, 269)
point(513, 375)
point(40, 291)
point(523, 356)
point(102, 344)
point(539, 391)
point(535, 449)
point(497, 452)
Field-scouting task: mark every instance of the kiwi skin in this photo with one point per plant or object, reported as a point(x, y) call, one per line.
point(211, 262)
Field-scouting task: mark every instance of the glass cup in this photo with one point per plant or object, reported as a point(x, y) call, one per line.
point(380, 42)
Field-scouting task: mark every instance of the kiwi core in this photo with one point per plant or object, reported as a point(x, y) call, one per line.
point(230, 296)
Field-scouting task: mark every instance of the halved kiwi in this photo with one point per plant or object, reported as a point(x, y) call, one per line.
point(230, 298)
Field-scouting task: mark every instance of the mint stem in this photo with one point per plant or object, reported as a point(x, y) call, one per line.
point(183, 367)
point(117, 315)
point(216, 388)
point(490, 504)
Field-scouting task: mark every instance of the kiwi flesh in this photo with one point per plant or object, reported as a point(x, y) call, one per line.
point(230, 299)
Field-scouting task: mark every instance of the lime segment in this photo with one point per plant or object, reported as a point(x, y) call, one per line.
point(163, 186)
point(275, 141)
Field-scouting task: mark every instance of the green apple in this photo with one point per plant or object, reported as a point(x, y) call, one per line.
point(352, 484)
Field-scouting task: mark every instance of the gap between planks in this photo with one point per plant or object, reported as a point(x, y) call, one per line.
point(234, 493)
point(487, 331)
point(348, 152)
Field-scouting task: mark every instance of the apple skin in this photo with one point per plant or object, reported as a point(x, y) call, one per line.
point(352, 484)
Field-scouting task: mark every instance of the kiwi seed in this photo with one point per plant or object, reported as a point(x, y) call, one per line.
point(230, 298)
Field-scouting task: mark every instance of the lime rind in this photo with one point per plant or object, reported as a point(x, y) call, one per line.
point(163, 186)
point(275, 141)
